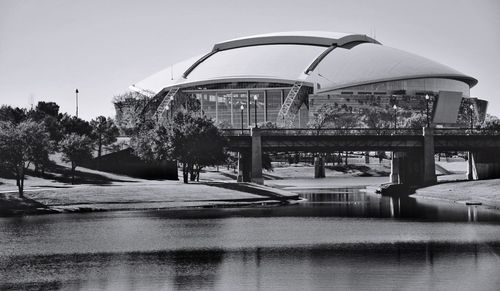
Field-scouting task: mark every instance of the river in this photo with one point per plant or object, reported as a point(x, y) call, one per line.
point(337, 239)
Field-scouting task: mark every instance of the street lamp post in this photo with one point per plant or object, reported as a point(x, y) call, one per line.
point(470, 175)
point(255, 98)
point(76, 93)
point(241, 109)
point(471, 107)
point(427, 98)
point(171, 106)
point(395, 117)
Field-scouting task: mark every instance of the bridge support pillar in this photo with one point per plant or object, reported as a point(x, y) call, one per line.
point(396, 158)
point(319, 167)
point(244, 167)
point(483, 165)
point(429, 167)
point(416, 167)
point(257, 156)
point(470, 167)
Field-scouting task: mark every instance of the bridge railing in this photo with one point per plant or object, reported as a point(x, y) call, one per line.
point(340, 131)
point(325, 131)
point(361, 132)
point(236, 132)
point(466, 131)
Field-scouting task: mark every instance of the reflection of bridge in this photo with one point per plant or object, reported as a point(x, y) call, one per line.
point(414, 149)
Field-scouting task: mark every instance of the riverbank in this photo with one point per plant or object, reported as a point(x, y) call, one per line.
point(141, 196)
point(100, 191)
point(486, 192)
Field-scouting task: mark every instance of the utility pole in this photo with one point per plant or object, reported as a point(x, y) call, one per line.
point(427, 98)
point(76, 93)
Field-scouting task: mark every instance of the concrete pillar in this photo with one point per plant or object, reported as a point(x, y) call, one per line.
point(429, 167)
point(470, 170)
point(257, 156)
point(484, 165)
point(394, 177)
point(244, 167)
point(319, 167)
point(265, 106)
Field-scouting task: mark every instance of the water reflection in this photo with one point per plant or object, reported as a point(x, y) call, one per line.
point(472, 213)
point(360, 266)
point(354, 202)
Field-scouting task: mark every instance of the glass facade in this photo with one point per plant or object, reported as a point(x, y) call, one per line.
point(223, 102)
point(410, 87)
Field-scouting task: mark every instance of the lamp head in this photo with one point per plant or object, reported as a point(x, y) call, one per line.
point(171, 98)
point(427, 97)
point(394, 107)
point(167, 107)
point(255, 97)
point(471, 107)
point(242, 107)
point(76, 91)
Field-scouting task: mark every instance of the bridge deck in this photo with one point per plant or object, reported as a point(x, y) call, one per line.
point(363, 139)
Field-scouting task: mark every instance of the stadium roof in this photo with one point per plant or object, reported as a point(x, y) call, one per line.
point(330, 59)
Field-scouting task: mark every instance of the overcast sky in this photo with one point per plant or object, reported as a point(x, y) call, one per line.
point(48, 48)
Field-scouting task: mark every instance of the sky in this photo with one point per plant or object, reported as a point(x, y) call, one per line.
point(49, 48)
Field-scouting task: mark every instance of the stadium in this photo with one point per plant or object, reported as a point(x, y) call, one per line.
point(285, 78)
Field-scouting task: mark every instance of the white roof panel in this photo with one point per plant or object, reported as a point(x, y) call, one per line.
point(268, 62)
point(369, 63)
point(285, 56)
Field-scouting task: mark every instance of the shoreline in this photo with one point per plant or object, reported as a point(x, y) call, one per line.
point(234, 195)
point(219, 190)
point(478, 192)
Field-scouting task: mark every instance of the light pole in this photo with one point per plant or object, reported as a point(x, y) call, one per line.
point(427, 107)
point(76, 93)
point(171, 106)
point(470, 175)
point(255, 98)
point(241, 109)
point(471, 107)
point(395, 117)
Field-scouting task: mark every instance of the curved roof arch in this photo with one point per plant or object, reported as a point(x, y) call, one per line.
point(317, 38)
point(332, 60)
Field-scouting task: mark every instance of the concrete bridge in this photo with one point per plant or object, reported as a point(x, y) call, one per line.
point(413, 149)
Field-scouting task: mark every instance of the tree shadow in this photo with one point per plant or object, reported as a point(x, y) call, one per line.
point(58, 173)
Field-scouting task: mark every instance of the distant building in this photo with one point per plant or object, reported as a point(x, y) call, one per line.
point(290, 75)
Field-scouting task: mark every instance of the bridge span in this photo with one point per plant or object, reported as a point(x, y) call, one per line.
point(413, 149)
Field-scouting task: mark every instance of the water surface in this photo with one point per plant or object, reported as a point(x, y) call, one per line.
point(339, 238)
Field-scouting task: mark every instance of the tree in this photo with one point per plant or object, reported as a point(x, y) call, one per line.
point(20, 145)
point(14, 115)
point(334, 116)
point(491, 122)
point(76, 149)
point(73, 124)
point(415, 120)
point(196, 143)
point(48, 113)
point(104, 131)
point(152, 143)
point(132, 108)
point(376, 117)
point(191, 139)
